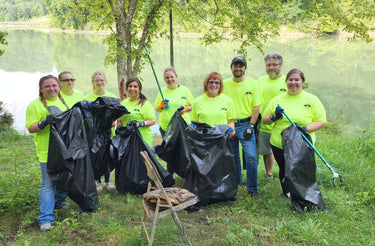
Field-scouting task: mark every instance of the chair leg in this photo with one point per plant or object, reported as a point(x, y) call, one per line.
point(180, 227)
point(154, 223)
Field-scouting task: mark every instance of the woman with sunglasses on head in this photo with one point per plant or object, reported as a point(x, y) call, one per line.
point(175, 96)
point(67, 91)
point(141, 110)
point(37, 121)
point(303, 108)
point(99, 81)
point(213, 107)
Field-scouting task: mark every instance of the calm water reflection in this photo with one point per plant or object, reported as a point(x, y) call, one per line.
point(341, 73)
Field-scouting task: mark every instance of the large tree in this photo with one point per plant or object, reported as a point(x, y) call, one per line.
point(133, 22)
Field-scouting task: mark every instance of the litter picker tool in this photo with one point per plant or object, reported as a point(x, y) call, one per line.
point(335, 175)
point(153, 70)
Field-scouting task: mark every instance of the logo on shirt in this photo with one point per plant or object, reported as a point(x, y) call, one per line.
point(307, 106)
point(224, 109)
point(183, 97)
point(282, 89)
point(248, 93)
point(137, 110)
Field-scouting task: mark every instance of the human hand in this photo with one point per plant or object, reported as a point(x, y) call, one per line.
point(163, 104)
point(302, 130)
point(248, 133)
point(277, 115)
point(140, 124)
point(231, 132)
point(182, 109)
point(48, 120)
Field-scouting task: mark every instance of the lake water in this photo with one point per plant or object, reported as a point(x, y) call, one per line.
point(339, 72)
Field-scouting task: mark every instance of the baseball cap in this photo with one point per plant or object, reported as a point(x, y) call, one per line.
point(239, 59)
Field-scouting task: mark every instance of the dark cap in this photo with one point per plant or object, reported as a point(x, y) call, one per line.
point(239, 59)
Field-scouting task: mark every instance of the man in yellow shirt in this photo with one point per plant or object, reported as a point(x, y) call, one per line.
point(246, 98)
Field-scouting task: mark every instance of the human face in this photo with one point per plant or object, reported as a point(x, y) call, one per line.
point(213, 87)
point(99, 83)
point(133, 90)
point(171, 79)
point(294, 84)
point(238, 69)
point(67, 82)
point(50, 89)
point(273, 68)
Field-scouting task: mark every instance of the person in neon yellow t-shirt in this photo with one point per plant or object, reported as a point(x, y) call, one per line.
point(175, 96)
point(246, 98)
point(213, 107)
point(99, 81)
point(67, 91)
point(303, 108)
point(141, 110)
point(37, 122)
point(270, 85)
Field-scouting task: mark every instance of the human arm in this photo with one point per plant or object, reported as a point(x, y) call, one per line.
point(314, 126)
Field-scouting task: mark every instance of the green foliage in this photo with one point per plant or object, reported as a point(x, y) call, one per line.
point(20, 10)
point(65, 14)
point(6, 119)
point(3, 41)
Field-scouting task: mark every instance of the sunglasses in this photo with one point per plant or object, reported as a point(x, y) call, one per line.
point(67, 80)
point(213, 82)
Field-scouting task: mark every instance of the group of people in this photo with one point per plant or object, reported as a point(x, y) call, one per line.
point(243, 103)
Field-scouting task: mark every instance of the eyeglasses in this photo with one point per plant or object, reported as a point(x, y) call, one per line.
point(67, 80)
point(213, 82)
point(272, 65)
point(99, 81)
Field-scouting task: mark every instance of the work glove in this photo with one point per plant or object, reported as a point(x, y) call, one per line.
point(48, 120)
point(88, 103)
point(140, 124)
point(303, 130)
point(192, 125)
point(231, 132)
point(248, 133)
point(277, 115)
point(182, 109)
point(163, 104)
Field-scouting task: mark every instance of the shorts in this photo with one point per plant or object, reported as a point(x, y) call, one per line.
point(264, 145)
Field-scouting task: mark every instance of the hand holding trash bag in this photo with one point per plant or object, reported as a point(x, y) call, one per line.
point(48, 120)
point(182, 109)
point(277, 115)
point(140, 124)
point(163, 104)
point(303, 130)
point(248, 133)
point(231, 132)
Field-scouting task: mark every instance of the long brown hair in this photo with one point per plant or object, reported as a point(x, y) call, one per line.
point(142, 97)
point(41, 96)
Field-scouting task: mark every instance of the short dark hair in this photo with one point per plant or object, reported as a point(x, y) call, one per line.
point(274, 56)
point(297, 71)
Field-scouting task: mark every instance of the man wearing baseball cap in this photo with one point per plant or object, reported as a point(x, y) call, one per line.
point(247, 100)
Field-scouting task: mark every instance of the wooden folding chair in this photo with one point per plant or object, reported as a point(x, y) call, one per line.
point(164, 203)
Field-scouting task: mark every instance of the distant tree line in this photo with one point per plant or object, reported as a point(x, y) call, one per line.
point(21, 10)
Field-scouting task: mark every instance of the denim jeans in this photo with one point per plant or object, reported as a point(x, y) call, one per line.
point(248, 147)
point(48, 196)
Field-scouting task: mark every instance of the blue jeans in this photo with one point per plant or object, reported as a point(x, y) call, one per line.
point(248, 147)
point(48, 196)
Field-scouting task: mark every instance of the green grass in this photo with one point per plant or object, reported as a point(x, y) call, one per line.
point(268, 221)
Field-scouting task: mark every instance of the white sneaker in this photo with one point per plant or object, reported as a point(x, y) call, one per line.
point(99, 187)
point(109, 186)
point(45, 226)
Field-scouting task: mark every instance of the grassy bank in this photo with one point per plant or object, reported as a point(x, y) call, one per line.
point(268, 221)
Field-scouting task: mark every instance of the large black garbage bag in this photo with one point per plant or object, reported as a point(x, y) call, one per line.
point(174, 148)
point(101, 114)
point(130, 172)
point(69, 161)
point(212, 176)
point(300, 172)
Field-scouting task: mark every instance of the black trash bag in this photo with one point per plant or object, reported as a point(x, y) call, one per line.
point(174, 149)
point(212, 176)
point(300, 172)
point(102, 112)
point(69, 161)
point(130, 172)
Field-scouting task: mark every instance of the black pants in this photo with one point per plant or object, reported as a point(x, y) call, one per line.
point(279, 157)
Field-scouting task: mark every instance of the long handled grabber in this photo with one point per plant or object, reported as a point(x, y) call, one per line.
point(335, 175)
point(153, 70)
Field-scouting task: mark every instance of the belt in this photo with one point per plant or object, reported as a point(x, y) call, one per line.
point(242, 120)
